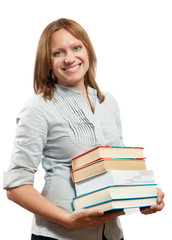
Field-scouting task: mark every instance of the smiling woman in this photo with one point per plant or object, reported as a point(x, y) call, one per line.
point(52, 45)
point(69, 59)
point(68, 116)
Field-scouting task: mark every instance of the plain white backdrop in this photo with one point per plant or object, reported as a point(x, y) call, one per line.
point(133, 42)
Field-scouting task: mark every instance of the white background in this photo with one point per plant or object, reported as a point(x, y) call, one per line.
point(133, 42)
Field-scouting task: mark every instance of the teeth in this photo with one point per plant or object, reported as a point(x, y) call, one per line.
point(70, 69)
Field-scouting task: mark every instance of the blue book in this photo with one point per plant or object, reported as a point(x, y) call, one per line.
point(116, 204)
point(118, 197)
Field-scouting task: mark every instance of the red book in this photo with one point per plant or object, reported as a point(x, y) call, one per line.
point(102, 165)
point(106, 152)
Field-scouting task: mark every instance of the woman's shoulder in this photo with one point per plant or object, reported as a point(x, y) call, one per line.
point(36, 105)
point(39, 102)
point(36, 101)
point(109, 99)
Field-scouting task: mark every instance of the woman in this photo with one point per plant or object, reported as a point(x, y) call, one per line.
point(64, 119)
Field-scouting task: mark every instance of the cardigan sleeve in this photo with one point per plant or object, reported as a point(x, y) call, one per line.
point(30, 139)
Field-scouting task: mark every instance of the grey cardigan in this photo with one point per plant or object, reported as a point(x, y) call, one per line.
point(53, 132)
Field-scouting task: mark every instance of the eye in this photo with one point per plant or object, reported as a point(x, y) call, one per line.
point(77, 48)
point(57, 54)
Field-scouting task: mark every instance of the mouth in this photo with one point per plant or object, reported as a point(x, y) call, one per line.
point(72, 68)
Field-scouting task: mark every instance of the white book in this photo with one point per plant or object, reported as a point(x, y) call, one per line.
point(114, 177)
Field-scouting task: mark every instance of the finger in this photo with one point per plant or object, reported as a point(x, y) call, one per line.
point(144, 210)
point(98, 216)
point(158, 207)
point(99, 212)
point(112, 214)
point(108, 216)
point(152, 209)
point(147, 210)
point(115, 212)
point(160, 195)
point(91, 213)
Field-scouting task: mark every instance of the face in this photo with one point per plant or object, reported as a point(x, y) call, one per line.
point(69, 59)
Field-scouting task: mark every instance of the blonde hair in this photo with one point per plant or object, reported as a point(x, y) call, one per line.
point(44, 79)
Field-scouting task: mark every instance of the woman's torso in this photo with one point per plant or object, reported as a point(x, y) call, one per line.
point(71, 129)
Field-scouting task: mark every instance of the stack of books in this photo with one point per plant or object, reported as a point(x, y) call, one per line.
point(111, 178)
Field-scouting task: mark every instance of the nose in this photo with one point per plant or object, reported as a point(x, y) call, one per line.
point(69, 58)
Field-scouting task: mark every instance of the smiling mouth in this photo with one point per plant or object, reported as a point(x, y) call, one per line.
point(73, 68)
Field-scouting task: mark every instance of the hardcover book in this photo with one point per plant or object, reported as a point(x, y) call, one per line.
point(114, 177)
point(114, 192)
point(104, 164)
point(116, 204)
point(106, 152)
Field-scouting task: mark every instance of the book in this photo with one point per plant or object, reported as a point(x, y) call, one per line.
point(120, 192)
point(103, 164)
point(116, 204)
point(106, 152)
point(114, 177)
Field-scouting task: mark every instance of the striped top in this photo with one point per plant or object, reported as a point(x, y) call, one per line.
point(52, 133)
point(70, 109)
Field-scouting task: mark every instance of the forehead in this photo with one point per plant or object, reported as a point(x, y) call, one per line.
point(62, 39)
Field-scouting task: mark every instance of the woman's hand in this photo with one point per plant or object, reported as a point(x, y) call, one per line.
point(91, 217)
point(155, 208)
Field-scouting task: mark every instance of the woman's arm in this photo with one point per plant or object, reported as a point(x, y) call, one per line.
point(29, 198)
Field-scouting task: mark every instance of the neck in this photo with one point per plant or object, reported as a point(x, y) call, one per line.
point(83, 92)
point(81, 87)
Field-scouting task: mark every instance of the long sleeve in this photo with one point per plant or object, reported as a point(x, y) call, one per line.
point(29, 142)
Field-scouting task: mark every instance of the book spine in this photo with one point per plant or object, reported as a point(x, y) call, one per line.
point(72, 164)
point(73, 206)
point(73, 178)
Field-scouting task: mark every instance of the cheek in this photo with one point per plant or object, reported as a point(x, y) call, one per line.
point(87, 62)
point(84, 55)
point(86, 59)
point(54, 65)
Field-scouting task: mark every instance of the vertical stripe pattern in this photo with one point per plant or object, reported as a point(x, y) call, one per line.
point(71, 112)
